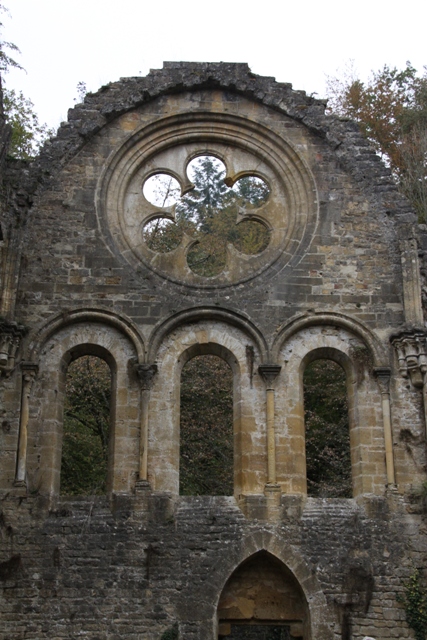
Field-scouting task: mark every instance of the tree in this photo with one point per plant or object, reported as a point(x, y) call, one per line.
point(86, 427)
point(208, 213)
point(327, 435)
point(206, 439)
point(28, 134)
point(6, 61)
point(391, 110)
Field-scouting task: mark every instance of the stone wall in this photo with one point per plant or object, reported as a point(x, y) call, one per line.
point(339, 279)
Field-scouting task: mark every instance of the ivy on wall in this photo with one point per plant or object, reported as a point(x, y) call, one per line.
point(414, 599)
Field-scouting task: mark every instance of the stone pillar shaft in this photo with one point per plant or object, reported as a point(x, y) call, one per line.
point(411, 277)
point(143, 447)
point(383, 378)
point(146, 373)
point(269, 373)
point(29, 373)
point(271, 439)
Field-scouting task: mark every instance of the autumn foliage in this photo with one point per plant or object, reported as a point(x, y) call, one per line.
point(391, 110)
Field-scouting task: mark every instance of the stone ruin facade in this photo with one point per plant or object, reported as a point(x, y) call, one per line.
point(340, 278)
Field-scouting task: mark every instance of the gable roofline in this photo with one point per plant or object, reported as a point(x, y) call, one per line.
point(352, 150)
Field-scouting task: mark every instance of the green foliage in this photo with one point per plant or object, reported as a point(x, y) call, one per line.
point(86, 427)
point(206, 440)
point(171, 634)
point(391, 109)
point(414, 600)
point(28, 134)
point(419, 495)
point(208, 213)
point(327, 430)
point(6, 61)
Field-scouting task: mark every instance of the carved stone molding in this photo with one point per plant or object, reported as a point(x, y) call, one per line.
point(269, 372)
point(10, 338)
point(29, 370)
point(383, 375)
point(411, 351)
point(146, 373)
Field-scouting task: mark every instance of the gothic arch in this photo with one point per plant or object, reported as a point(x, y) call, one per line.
point(63, 345)
point(86, 315)
point(303, 342)
point(195, 334)
point(318, 623)
point(207, 313)
point(332, 319)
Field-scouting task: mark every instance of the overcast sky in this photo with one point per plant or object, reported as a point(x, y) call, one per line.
point(64, 42)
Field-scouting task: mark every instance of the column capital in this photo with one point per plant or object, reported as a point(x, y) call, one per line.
point(383, 375)
point(411, 348)
point(269, 373)
point(29, 372)
point(145, 373)
point(11, 334)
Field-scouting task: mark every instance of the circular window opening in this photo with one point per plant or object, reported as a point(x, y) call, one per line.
point(161, 190)
point(210, 211)
point(162, 235)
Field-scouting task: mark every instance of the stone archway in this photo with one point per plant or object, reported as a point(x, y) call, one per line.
point(262, 599)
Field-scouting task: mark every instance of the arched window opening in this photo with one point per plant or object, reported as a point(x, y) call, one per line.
point(327, 433)
point(86, 431)
point(262, 600)
point(206, 424)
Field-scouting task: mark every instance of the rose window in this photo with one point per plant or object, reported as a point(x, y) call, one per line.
point(208, 217)
point(207, 201)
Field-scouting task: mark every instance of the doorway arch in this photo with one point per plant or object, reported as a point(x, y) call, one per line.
point(263, 599)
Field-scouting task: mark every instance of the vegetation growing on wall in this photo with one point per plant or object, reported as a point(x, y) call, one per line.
point(414, 600)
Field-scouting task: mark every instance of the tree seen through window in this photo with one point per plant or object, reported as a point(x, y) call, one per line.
point(209, 213)
point(86, 427)
point(327, 435)
point(206, 425)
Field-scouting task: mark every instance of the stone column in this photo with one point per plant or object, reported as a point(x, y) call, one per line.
point(29, 371)
point(382, 375)
point(411, 276)
point(411, 351)
point(146, 373)
point(269, 373)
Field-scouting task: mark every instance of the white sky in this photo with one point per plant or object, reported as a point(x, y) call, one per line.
point(98, 41)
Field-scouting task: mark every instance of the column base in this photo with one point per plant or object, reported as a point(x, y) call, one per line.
point(142, 486)
point(273, 493)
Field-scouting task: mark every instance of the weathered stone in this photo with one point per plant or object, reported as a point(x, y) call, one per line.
point(339, 279)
